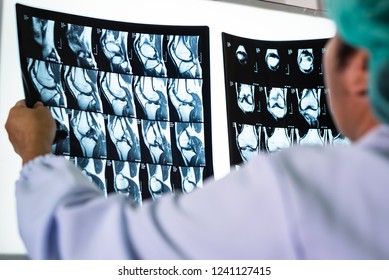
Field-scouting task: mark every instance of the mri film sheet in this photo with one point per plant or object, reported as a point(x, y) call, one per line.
point(276, 97)
point(132, 101)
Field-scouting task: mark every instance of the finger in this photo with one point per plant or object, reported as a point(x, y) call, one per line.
point(21, 103)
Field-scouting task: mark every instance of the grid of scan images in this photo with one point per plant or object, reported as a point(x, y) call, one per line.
point(276, 97)
point(131, 101)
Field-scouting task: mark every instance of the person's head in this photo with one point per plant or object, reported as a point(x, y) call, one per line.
point(356, 64)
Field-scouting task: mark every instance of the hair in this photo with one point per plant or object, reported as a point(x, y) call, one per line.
point(345, 52)
point(383, 86)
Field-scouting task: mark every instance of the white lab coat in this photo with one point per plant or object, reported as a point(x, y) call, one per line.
point(302, 203)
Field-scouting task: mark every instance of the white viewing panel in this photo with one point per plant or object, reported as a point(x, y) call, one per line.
point(240, 20)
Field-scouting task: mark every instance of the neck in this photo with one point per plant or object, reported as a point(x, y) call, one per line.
point(366, 124)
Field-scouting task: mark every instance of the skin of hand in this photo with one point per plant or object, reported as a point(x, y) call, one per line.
point(31, 131)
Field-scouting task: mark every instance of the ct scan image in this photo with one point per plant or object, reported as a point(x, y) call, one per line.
point(276, 97)
point(248, 140)
point(117, 94)
point(149, 50)
point(114, 45)
point(191, 178)
point(45, 78)
point(183, 50)
point(61, 117)
point(124, 135)
point(190, 143)
point(186, 98)
point(127, 180)
point(94, 169)
point(159, 181)
point(131, 101)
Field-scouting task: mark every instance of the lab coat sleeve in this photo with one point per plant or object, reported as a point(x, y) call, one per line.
point(63, 216)
point(46, 184)
point(240, 216)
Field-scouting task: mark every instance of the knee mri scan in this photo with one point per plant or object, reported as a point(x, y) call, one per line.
point(276, 96)
point(128, 99)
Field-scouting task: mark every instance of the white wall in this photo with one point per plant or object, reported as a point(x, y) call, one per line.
point(246, 21)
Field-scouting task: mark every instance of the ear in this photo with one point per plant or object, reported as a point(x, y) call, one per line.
point(357, 74)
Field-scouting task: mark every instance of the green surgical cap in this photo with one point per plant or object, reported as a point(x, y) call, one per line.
point(365, 24)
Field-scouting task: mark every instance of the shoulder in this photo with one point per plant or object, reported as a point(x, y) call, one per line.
point(330, 176)
point(327, 161)
point(329, 192)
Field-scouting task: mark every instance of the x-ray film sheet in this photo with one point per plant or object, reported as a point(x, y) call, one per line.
point(276, 97)
point(133, 99)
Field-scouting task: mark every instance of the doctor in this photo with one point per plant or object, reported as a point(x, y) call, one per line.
point(302, 203)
